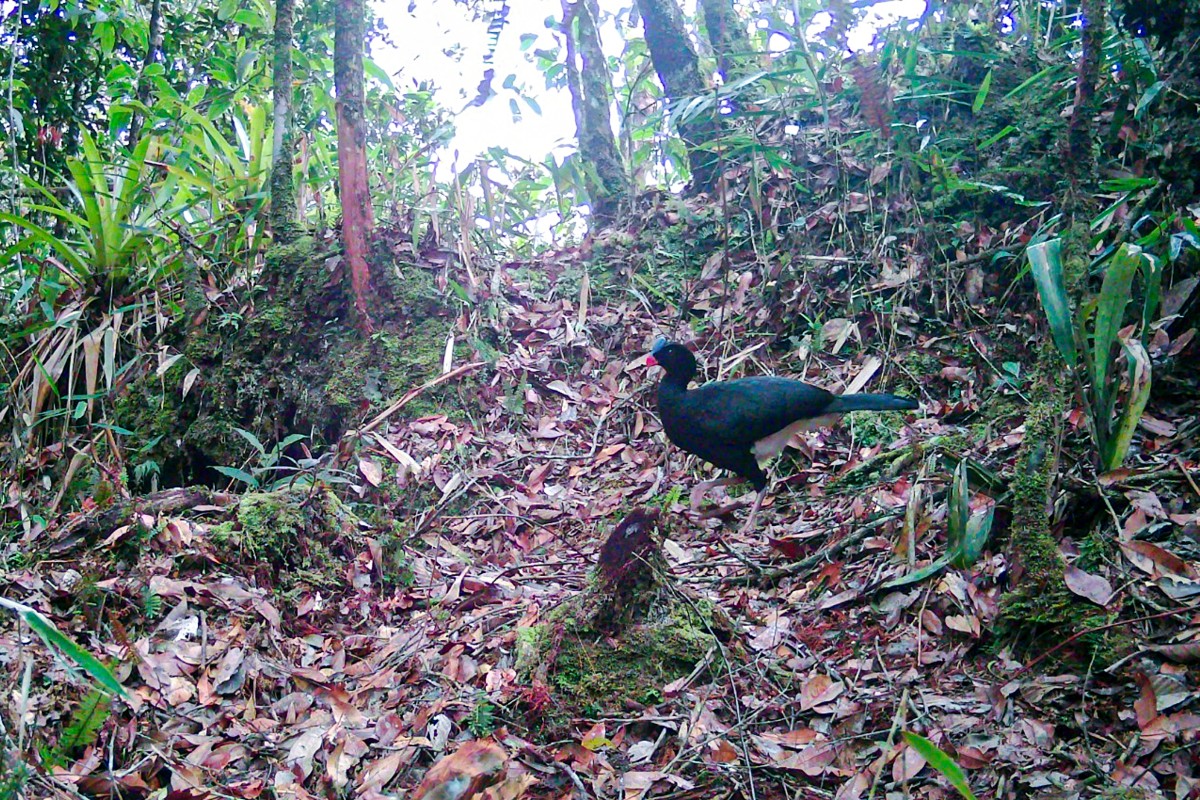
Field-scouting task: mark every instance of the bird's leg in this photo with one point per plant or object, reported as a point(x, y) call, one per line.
point(697, 494)
point(754, 510)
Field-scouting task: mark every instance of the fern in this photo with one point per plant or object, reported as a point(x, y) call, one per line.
point(85, 724)
point(151, 603)
point(482, 720)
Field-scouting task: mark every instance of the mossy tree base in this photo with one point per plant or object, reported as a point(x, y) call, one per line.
point(1041, 604)
point(623, 639)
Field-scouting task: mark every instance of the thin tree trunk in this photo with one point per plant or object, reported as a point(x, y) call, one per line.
point(283, 214)
point(143, 88)
point(678, 69)
point(1080, 161)
point(357, 219)
point(587, 77)
point(730, 43)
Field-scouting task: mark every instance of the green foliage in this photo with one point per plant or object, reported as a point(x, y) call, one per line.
point(671, 498)
point(482, 719)
point(1090, 351)
point(115, 231)
point(57, 641)
point(940, 761)
point(966, 533)
point(14, 774)
point(85, 724)
point(268, 462)
point(152, 603)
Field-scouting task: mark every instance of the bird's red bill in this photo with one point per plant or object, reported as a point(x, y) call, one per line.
point(651, 361)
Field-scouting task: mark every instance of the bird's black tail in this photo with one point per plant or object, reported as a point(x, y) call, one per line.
point(872, 402)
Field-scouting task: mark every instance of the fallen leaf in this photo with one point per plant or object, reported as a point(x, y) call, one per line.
point(1088, 586)
point(465, 773)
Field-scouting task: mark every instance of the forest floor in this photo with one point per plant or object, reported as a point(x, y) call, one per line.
point(354, 687)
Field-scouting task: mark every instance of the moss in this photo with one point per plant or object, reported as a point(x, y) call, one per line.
point(593, 670)
point(290, 535)
point(1043, 605)
point(294, 365)
point(267, 523)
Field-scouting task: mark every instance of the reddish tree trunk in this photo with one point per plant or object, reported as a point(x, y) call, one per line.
point(357, 218)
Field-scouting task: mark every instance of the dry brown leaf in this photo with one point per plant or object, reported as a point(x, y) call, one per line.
point(465, 773)
point(1188, 653)
point(371, 471)
point(1146, 706)
point(1155, 561)
point(908, 765)
point(819, 690)
point(1088, 586)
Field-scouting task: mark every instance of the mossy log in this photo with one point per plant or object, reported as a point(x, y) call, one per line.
point(1041, 602)
point(85, 528)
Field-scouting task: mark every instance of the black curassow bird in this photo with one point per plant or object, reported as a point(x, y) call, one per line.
point(736, 424)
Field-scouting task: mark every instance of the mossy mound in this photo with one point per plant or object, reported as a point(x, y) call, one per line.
point(592, 671)
point(296, 363)
point(294, 538)
point(626, 637)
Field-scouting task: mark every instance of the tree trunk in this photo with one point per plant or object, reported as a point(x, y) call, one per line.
point(587, 78)
point(143, 87)
point(357, 220)
point(678, 69)
point(727, 35)
point(283, 216)
point(1080, 161)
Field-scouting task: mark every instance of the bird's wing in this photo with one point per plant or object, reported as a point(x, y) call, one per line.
point(746, 410)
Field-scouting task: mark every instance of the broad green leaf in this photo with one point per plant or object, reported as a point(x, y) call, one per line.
point(1152, 287)
point(249, 18)
point(1148, 97)
point(975, 539)
point(1117, 447)
point(252, 439)
point(372, 70)
point(1045, 260)
point(960, 508)
point(917, 575)
point(1115, 294)
point(966, 534)
point(73, 258)
point(995, 137)
point(238, 475)
point(54, 638)
point(940, 761)
point(290, 440)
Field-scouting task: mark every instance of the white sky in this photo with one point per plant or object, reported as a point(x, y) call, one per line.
point(420, 39)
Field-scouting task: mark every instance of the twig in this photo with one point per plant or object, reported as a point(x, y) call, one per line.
point(414, 393)
point(599, 427)
point(1075, 636)
point(1187, 476)
point(803, 564)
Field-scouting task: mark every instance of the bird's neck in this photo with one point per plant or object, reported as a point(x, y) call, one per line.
point(674, 384)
